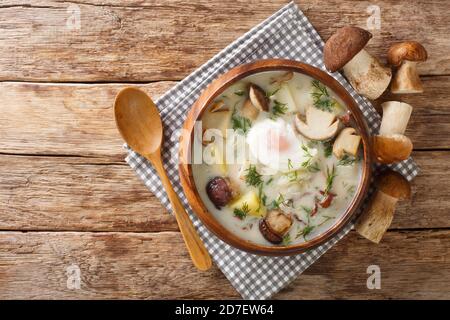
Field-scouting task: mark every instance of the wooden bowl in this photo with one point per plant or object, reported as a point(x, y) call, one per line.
point(186, 140)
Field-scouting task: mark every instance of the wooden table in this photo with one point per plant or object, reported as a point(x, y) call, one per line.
point(69, 203)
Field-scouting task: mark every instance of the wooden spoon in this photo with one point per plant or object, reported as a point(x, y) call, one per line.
point(139, 123)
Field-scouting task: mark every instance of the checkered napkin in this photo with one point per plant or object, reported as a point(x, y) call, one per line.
point(286, 34)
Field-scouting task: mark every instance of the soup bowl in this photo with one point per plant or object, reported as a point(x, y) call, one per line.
point(217, 87)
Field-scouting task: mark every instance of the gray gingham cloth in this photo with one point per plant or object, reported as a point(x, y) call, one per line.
point(286, 34)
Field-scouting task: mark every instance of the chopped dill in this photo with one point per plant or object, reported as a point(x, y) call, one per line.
point(347, 160)
point(321, 97)
point(272, 93)
point(286, 239)
point(276, 203)
point(327, 149)
point(331, 174)
point(242, 212)
point(314, 167)
point(307, 163)
point(305, 231)
point(252, 177)
point(278, 109)
point(241, 124)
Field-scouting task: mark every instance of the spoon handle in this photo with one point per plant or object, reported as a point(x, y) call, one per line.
point(200, 257)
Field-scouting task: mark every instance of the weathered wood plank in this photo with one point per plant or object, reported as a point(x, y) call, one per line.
point(155, 265)
point(78, 119)
point(72, 193)
point(63, 119)
point(156, 40)
point(60, 193)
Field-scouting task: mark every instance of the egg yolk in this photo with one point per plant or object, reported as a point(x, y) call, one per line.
point(277, 142)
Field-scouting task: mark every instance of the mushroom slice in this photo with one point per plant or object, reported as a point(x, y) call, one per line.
point(346, 142)
point(217, 117)
point(220, 191)
point(391, 187)
point(275, 225)
point(391, 148)
point(219, 106)
point(249, 111)
point(320, 125)
point(406, 55)
point(284, 77)
point(258, 97)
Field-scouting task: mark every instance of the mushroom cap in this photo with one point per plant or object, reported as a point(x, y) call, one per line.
point(343, 45)
point(394, 184)
point(391, 148)
point(408, 50)
point(258, 97)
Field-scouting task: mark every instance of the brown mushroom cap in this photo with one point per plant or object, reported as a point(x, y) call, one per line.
point(394, 185)
point(258, 97)
point(391, 148)
point(268, 234)
point(408, 50)
point(220, 191)
point(343, 45)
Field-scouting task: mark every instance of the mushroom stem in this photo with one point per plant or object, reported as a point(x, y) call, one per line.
point(374, 222)
point(395, 117)
point(391, 187)
point(407, 79)
point(367, 75)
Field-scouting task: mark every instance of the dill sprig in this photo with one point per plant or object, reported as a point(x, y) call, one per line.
point(252, 177)
point(331, 174)
point(272, 93)
point(327, 149)
point(347, 160)
point(314, 167)
point(307, 163)
point(308, 228)
point(305, 231)
point(241, 124)
point(321, 97)
point(241, 213)
point(278, 109)
point(277, 202)
point(286, 239)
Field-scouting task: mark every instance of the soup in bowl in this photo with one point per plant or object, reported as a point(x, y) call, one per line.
point(274, 158)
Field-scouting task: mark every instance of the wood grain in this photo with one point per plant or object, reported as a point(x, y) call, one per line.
point(63, 118)
point(92, 194)
point(156, 266)
point(166, 40)
point(77, 119)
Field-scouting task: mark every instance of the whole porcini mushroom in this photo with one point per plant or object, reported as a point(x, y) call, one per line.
point(376, 219)
point(391, 145)
point(406, 55)
point(345, 49)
